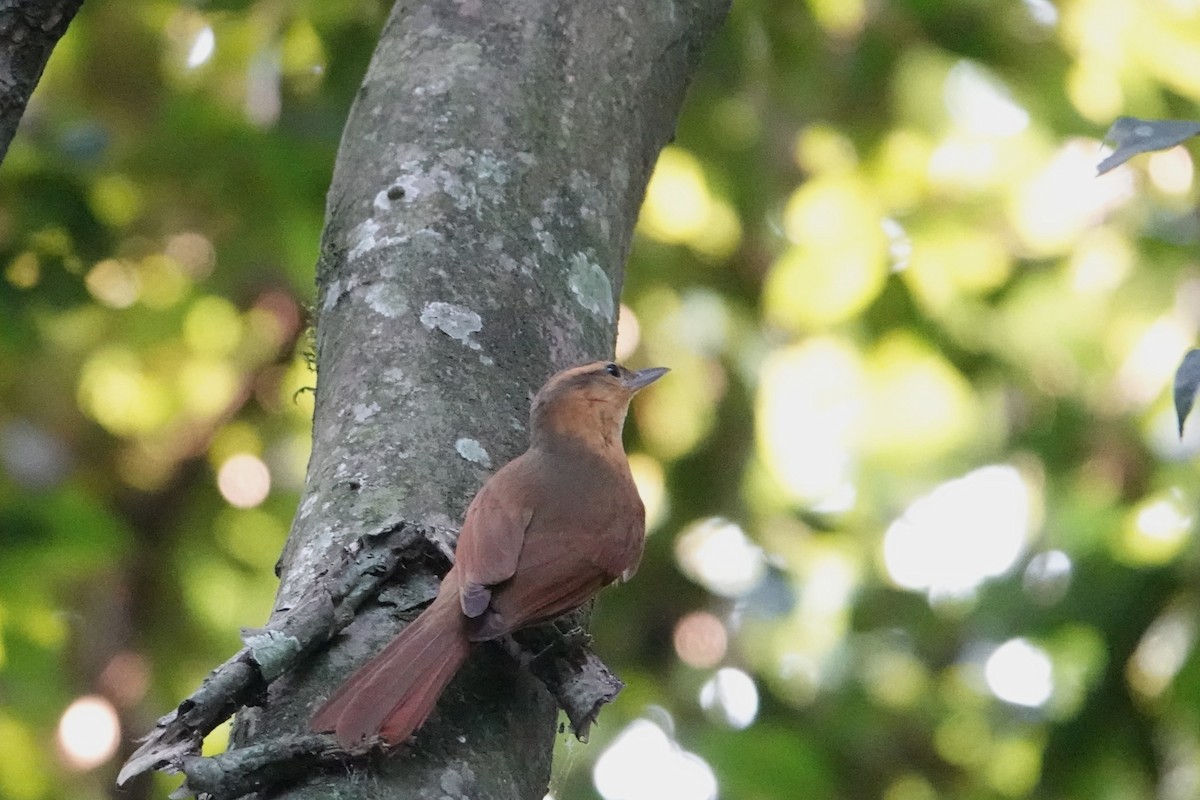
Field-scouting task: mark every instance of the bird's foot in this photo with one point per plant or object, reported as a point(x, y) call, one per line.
point(572, 635)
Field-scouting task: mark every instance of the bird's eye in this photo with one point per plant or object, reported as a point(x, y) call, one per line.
point(613, 369)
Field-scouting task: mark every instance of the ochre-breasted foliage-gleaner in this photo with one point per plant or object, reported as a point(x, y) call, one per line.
point(543, 535)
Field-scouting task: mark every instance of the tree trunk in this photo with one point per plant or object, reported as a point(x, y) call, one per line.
point(29, 29)
point(479, 217)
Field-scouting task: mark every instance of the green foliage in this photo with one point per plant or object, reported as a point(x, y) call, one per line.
point(922, 525)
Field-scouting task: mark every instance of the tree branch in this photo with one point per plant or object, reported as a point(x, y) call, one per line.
point(29, 29)
point(327, 607)
point(579, 681)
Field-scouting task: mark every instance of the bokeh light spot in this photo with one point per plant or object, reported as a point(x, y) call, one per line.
point(89, 732)
point(700, 639)
point(1015, 766)
point(964, 738)
point(674, 415)
point(679, 208)
point(952, 260)
point(910, 786)
point(116, 391)
point(921, 407)
point(163, 283)
point(1101, 262)
point(116, 199)
point(717, 554)
point(963, 532)
point(244, 481)
point(1171, 170)
point(25, 775)
point(1043, 12)
point(644, 763)
point(263, 99)
point(840, 258)
point(1156, 530)
point(732, 697)
point(1163, 650)
point(33, 457)
point(841, 18)
point(202, 47)
point(1094, 88)
point(126, 678)
point(24, 271)
point(114, 283)
point(193, 252)
point(981, 103)
point(677, 201)
point(1153, 353)
point(823, 148)
point(651, 485)
point(1020, 673)
point(895, 679)
point(1048, 576)
point(1052, 209)
point(810, 403)
point(213, 326)
point(207, 386)
point(303, 55)
point(629, 333)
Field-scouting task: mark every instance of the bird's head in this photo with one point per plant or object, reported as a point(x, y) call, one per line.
point(587, 402)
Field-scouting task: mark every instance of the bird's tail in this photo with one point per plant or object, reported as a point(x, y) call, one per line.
point(392, 694)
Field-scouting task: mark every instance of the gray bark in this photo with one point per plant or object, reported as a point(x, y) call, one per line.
point(479, 217)
point(29, 29)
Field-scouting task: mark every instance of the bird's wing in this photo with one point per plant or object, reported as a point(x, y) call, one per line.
point(563, 567)
point(492, 536)
point(621, 558)
point(547, 585)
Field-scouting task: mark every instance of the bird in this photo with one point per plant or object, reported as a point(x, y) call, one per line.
point(542, 536)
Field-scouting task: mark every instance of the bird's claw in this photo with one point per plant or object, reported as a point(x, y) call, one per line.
point(573, 635)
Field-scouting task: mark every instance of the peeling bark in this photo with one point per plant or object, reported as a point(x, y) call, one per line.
point(478, 221)
point(29, 29)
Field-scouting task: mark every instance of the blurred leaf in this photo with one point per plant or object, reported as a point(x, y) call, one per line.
point(1187, 381)
point(1131, 136)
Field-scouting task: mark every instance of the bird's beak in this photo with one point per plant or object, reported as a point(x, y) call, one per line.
point(643, 378)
